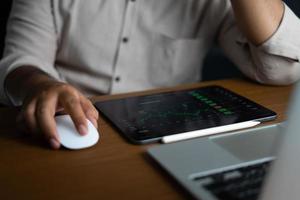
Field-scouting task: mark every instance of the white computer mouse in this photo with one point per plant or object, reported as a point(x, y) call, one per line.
point(69, 136)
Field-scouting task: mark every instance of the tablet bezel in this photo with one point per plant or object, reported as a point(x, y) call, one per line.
point(135, 138)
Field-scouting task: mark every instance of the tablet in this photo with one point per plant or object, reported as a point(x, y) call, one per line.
point(144, 119)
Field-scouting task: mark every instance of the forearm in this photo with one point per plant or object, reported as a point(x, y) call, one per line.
point(25, 80)
point(258, 19)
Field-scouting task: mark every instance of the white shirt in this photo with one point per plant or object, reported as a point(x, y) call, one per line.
point(112, 46)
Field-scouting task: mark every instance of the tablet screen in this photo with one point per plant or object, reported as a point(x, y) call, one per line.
point(147, 118)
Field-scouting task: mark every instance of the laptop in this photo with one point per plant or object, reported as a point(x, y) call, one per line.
point(259, 163)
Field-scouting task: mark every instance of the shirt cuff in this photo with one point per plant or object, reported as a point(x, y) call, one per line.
point(9, 64)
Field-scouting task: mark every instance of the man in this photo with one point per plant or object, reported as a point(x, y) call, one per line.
point(58, 49)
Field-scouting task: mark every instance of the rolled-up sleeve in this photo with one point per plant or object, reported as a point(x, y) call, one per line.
point(276, 61)
point(31, 40)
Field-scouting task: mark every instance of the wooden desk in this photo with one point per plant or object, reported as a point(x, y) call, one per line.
point(113, 169)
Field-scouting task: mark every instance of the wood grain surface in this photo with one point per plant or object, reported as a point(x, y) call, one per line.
point(113, 169)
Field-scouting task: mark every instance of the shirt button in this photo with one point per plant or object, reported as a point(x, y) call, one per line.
point(125, 40)
point(117, 79)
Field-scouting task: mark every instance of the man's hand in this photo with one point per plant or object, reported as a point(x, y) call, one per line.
point(44, 98)
point(39, 109)
point(258, 19)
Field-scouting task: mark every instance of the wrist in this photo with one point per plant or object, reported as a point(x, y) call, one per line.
point(24, 81)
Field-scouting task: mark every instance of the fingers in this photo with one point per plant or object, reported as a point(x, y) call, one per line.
point(28, 116)
point(90, 111)
point(24, 121)
point(45, 112)
point(37, 116)
point(72, 105)
point(21, 124)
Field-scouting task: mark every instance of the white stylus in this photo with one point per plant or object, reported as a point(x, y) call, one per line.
point(208, 131)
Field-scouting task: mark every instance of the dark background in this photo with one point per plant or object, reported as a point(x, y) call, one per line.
point(212, 63)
